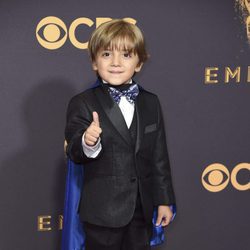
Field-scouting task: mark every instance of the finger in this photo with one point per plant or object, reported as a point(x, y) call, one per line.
point(93, 130)
point(89, 143)
point(90, 139)
point(165, 221)
point(96, 119)
point(96, 129)
point(159, 219)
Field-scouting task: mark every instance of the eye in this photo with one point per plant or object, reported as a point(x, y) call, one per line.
point(127, 54)
point(215, 177)
point(106, 54)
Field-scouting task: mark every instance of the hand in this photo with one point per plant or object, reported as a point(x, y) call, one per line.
point(93, 132)
point(164, 215)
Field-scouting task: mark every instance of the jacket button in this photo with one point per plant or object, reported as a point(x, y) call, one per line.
point(133, 179)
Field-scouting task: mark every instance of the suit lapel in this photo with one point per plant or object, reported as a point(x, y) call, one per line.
point(113, 112)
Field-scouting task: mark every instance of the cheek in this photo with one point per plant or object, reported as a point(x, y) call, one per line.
point(101, 67)
point(133, 69)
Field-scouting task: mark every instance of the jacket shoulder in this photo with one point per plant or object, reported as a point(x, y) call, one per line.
point(148, 94)
point(84, 96)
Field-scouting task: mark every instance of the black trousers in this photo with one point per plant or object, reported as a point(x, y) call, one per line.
point(134, 236)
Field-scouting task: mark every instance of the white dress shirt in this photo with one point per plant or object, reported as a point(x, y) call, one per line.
point(127, 110)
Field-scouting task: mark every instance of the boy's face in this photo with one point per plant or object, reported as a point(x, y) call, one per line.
point(116, 66)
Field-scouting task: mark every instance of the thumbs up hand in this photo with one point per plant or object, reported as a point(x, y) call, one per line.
point(93, 132)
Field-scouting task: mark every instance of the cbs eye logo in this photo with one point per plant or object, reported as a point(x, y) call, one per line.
point(216, 177)
point(52, 33)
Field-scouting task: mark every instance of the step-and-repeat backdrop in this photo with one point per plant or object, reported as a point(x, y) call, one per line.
point(199, 67)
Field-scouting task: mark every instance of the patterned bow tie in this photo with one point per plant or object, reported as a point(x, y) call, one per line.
point(130, 94)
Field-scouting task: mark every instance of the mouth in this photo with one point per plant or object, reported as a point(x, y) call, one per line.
point(115, 72)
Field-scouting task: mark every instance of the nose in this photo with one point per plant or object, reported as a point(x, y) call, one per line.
point(115, 60)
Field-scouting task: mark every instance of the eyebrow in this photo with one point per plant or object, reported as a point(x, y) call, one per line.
point(124, 50)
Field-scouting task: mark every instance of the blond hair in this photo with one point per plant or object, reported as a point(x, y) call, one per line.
point(120, 35)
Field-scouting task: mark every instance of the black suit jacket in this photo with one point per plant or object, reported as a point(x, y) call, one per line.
point(111, 180)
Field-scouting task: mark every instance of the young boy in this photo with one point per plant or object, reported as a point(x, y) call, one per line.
point(116, 130)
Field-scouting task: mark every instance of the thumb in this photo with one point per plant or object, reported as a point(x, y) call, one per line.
point(159, 219)
point(96, 119)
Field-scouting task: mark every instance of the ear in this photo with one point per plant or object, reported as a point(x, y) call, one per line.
point(94, 66)
point(138, 67)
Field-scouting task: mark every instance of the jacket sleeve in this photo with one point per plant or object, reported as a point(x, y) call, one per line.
point(163, 193)
point(78, 119)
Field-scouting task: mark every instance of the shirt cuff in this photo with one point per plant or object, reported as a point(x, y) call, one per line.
point(91, 151)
